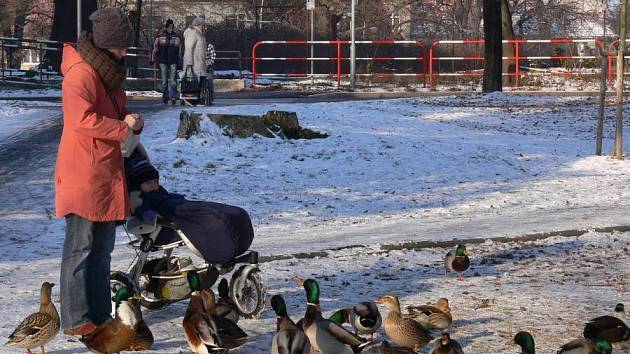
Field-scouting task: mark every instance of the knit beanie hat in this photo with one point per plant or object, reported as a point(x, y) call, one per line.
point(111, 28)
point(139, 170)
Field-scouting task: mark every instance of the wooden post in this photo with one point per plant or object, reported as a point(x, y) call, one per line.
point(602, 105)
point(620, 69)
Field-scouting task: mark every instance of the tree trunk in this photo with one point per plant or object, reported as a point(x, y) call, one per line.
point(492, 47)
point(65, 24)
point(603, 85)
point(15, 55)
point(620, 70)
point(509, 66)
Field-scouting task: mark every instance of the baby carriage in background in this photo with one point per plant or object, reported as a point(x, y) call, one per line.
point(219, 234)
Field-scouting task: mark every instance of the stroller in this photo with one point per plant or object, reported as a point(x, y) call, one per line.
point(162, 280)
point(194, 90)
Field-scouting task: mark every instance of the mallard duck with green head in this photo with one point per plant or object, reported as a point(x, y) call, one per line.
point(225, 305)
point(364, 317)
point(432, 318)
point(446, 345)
point(117, 334)
point(586, 346)
point(456, 261)
point(324, 335)
point(201, 331)
point(405, 332)
point(289, 339)
point(612, 328)
point(144, 337)
point(230, 333)
point(40, 327)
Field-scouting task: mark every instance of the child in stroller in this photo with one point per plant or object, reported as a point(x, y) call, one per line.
point(162, 221)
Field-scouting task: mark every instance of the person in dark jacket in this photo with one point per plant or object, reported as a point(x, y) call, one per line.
point(167, 52)
point(219, 232)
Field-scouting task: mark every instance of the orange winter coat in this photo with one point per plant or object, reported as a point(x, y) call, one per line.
point(89, 174)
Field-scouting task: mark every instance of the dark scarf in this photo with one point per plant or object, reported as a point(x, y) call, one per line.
point(111, 71)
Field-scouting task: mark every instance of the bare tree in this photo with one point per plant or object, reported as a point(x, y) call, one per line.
point(493, 52)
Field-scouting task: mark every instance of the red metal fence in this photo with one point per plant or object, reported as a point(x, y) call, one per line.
point(432, 59)
point(339, 59)
point(517, 59)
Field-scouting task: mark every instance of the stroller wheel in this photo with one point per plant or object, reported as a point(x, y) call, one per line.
point(249, 298)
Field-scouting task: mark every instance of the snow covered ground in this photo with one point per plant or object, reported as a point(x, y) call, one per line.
point(43, 92)
point(18, 116)
point(418, 169)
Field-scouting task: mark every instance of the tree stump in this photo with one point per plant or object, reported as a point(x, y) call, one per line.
point(286, 125)
point(241, 126)
point(282, 123)
point(272, 124)
point(188, 124)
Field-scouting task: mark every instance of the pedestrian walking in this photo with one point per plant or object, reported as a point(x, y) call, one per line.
point(195, 49)
point(167, 53)
point(90, 189)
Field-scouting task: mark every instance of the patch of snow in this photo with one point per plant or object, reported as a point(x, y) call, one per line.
point(17, 116)
point(46, 92)
point(416, 169)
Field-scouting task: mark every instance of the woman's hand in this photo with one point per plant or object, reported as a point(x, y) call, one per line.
point(134, 122)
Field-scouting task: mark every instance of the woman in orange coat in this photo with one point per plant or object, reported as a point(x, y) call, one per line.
point(90, 190)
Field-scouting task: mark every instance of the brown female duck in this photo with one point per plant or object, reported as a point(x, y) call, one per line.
point(432, 318)
point(405, 332)
point(40, 327)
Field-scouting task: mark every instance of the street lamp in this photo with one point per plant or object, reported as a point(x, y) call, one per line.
point(78, 20)
point(310, 7)
point(353, 53)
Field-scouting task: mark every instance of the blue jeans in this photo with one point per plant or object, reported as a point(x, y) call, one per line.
point(169, 86)
point(85, 267)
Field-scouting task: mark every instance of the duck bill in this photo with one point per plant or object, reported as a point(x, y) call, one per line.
point(300, 282)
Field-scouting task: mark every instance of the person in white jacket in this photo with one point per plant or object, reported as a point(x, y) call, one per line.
point(195, 49)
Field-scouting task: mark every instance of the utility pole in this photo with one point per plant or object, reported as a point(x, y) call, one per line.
point(620, 68)
point(151, 34)
point(353, 53)
point(603, 87)
point(78, 19)
point(310, 7)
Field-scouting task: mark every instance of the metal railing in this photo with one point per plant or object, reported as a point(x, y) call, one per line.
point(517, 59)
point(42, 46)
point(339, 59)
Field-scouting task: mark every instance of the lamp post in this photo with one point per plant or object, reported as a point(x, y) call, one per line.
point(353, 53)
point(310, 7)
point(78, 19)
point(151, 24)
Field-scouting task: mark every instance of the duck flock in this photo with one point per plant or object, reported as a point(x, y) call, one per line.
point(211, 325)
